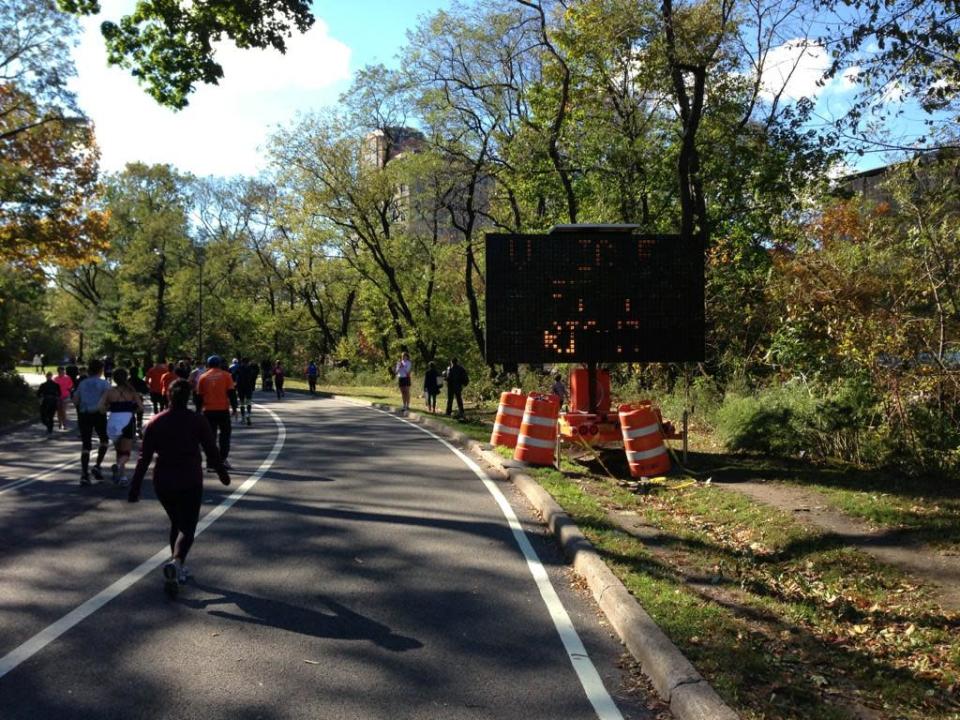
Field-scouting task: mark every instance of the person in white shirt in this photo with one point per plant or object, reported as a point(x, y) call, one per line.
point(402, 371)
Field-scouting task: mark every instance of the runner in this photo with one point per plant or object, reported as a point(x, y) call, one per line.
point(246, 384)
point(312, 373)
point(122, 401)
point(194, 377)
point(37, 364)
point(217, 397)
point(154, 382)
point(49, 394)
point(65, 383)
point(91, 419)
point(166, 380)
point(176, 436)
point(234, 371)
point(141, 387)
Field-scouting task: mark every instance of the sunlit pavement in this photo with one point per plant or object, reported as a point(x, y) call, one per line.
point(367, 574)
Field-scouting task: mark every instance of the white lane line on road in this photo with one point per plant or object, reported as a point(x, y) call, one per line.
point(50, 633)
point(39, 476)
point(22, 482)
point(587, 673)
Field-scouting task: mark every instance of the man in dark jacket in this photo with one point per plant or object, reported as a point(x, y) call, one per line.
point(457, 380)
point(49, 394)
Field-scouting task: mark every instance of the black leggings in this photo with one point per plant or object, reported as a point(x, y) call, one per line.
point(183, 509)
point(91, 423)
point(220, 426)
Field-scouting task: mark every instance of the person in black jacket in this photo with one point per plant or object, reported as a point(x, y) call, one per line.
point(49, 394)
point(457, 380)
point(431, 386)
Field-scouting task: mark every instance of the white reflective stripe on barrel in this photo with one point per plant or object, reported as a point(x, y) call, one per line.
point(536, 442)
point(505, 410)
point(534, 420)
point(505, 429)
point(640, 431)
point(633, 456)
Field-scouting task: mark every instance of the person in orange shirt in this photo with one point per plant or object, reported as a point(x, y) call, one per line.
point(154, 380)
point(217, 396)
point(166, 380)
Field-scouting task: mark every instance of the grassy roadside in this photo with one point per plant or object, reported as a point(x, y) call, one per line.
point(783, 622)
point(926, 509)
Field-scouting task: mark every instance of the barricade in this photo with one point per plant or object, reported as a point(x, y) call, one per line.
point(506, 428)
point(537, 441)
point(580, 391)
point(642, 440)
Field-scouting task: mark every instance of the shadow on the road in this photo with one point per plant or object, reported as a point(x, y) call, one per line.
point(340, 623)
point(305, 476)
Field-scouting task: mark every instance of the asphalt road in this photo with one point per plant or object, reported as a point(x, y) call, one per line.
point(364, 572)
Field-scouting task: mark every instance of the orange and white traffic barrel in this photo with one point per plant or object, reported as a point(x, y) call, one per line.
point(506, 427)
point(646, 453)
point(536, 443)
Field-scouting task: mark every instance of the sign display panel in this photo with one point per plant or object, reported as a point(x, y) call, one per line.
point(594, 296)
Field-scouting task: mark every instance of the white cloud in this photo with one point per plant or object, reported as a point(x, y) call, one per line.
point(795, 67)
point(224, 125)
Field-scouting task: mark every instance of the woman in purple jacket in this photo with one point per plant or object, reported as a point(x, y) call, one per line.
point(176, 436)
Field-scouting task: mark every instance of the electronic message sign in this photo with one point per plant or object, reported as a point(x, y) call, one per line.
point(594, 294)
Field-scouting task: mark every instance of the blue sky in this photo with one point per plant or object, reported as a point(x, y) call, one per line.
point(224, 128)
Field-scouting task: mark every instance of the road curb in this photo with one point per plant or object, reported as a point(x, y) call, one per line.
point(676, 680)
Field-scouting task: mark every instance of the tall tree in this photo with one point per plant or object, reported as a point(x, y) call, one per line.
point(48, 156)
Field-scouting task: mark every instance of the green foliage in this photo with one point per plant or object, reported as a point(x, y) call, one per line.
point(17, 401)
point(171, 45)
point(775, 421)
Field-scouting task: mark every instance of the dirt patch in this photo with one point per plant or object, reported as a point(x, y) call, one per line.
point(938, 569)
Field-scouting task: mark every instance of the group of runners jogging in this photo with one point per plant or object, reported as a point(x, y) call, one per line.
point(175, 435)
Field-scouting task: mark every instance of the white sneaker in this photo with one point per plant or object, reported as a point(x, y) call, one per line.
point(123, 481)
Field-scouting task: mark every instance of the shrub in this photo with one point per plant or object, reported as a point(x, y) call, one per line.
point(775, 421)
point(17, 400)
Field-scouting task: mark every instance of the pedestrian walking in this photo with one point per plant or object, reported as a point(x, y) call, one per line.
point(278, 377)
point(176, 436)
point(432, 383)
point(559, 389)
point(108, 367)
point(217, 396)
point(121, 402)
point(49, 394)
point(91, 419)
point(246, 384)
point(457, 380)
point(37, 364)
point(66, 384)
point(403, 370)
point(312, 372)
